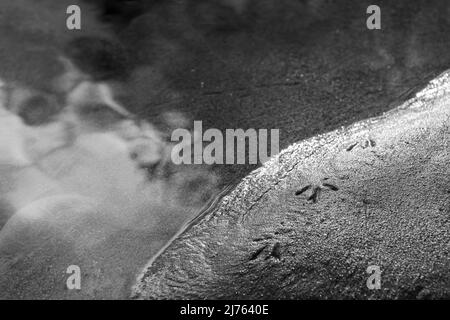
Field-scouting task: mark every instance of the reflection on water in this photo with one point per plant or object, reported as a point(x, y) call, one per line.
point(89, 186)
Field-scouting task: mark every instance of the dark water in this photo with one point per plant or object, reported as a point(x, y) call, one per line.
point(304, 67)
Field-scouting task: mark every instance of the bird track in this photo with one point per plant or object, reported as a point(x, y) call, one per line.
point(316, 190)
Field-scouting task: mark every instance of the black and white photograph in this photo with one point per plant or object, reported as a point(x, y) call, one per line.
point(228, 151)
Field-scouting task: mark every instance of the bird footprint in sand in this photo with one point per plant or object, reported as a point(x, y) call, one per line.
point(316, 190)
